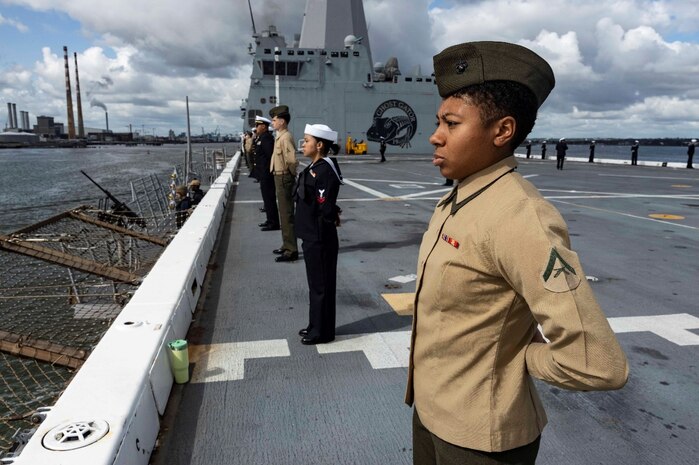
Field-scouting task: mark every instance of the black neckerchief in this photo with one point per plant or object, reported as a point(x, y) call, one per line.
point(456, 206)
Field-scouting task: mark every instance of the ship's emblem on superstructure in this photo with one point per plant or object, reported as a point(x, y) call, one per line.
point(394, 120)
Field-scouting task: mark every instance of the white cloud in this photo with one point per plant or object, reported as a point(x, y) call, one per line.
point(13, 23)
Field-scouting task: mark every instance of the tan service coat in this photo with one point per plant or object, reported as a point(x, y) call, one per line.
point(284, 155)
point(494, 261)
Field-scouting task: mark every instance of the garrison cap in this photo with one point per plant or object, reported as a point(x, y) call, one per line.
point(321, 131)
point(279, 111)
point(464, 65)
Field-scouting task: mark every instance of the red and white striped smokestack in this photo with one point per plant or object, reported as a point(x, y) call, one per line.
point(81, 127)
point(69, 97)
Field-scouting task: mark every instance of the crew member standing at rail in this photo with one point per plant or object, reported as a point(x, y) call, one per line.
point(317, 218)
point(183, 205)
point(253, 162)
point(480, 293)
point(592, 152)
point(247, 150)
point(543, 150)
point(690, 153)
point(634, 153)
point(264, 145)
point(195, 192)
point(283, 167)
point(561, 149)
point(529, 148)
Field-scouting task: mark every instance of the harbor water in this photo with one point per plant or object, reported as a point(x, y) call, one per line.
point(39, 183)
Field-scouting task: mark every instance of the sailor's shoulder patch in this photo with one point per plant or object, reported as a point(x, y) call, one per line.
point(558, 274)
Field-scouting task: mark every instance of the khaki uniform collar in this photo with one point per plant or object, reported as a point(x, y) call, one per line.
point(477, 183)
point(281, 131)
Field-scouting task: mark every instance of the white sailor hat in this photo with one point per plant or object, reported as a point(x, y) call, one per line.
point(321, 131)
point(694, 141)
point(561, 139)
point(262, 119)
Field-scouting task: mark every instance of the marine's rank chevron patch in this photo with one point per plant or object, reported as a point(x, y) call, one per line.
point(559, 275)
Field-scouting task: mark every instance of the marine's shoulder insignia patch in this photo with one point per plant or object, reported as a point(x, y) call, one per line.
point(559, 275)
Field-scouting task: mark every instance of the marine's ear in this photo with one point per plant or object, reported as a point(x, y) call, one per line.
point(504, 131)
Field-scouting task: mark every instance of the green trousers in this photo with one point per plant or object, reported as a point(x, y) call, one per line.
point(284, 186)
point(428, 449)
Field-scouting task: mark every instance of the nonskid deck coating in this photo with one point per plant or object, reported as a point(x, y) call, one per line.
point(288, 403)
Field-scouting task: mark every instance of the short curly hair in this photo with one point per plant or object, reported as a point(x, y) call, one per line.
point(497, 99)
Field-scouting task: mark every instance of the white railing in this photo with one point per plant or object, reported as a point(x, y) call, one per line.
point(110, 412)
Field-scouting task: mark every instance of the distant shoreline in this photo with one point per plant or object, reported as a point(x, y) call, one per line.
point(648, 142)
point(76, 144)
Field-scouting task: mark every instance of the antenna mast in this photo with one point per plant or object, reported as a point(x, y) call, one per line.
point(254, 31)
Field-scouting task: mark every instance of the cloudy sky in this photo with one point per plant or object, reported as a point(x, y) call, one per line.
point(624, 68)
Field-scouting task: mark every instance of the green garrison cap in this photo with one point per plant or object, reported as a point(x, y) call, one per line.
point(472, 63)
point(278, 111)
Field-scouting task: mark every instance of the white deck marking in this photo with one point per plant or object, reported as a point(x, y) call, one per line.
point(392, 349)
point(649, 177)
point(398, 182)
point(408, 278)
point(628, 214)
point(420, 194)
point(674, 328)
point(226, 362)
point(368, 190)
point(406, 186)
point(630, 195)
point(382, 350)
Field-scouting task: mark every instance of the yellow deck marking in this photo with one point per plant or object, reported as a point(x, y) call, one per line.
point(402, 304)
point(681, 185)
point(665, 216)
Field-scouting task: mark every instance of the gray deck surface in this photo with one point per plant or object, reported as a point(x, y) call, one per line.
point(336, 408)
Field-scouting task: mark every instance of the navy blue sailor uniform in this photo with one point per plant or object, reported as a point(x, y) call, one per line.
point(315, 195)
point(264, 145)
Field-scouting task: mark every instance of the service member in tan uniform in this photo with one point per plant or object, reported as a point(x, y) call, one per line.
point(283, 167)
point(494, 262)
point(247, 149)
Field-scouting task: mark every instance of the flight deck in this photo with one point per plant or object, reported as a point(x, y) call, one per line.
point(258, 396)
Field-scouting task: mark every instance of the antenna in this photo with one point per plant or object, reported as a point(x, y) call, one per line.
point(254, 31)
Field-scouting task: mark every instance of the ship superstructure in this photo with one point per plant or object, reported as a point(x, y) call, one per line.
point(326, 75)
